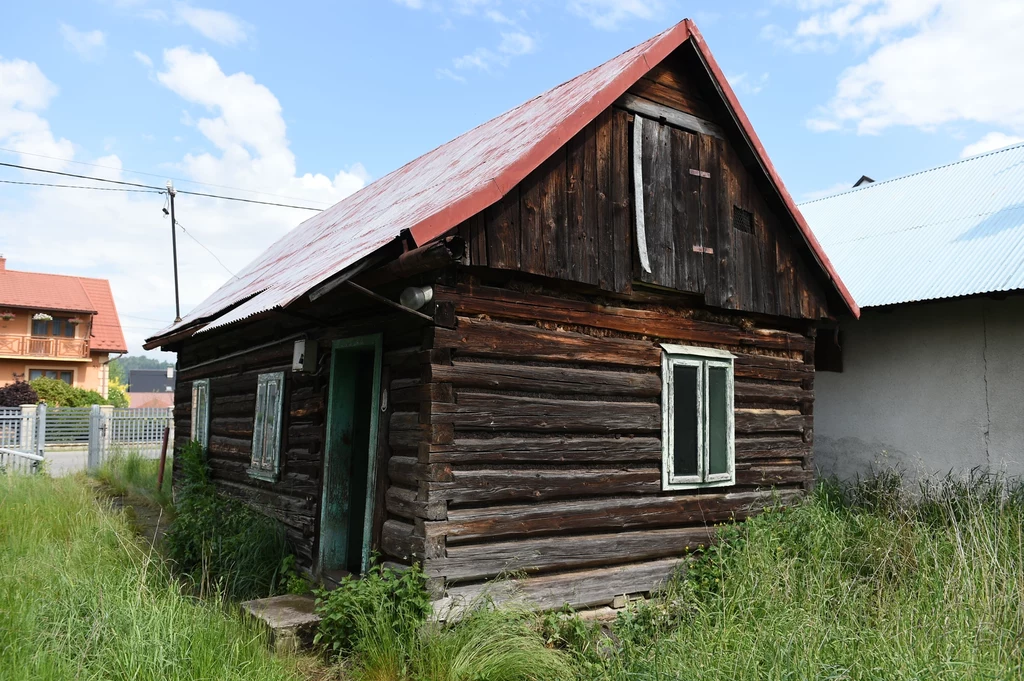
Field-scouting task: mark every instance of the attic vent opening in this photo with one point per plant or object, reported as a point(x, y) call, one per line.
point(742, 220)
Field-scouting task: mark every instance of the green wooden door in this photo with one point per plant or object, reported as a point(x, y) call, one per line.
point(350, 457)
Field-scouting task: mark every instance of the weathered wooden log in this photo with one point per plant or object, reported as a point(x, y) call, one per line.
point(490, 411)
point(547, 449)
point(551, 554)
point(546, 379)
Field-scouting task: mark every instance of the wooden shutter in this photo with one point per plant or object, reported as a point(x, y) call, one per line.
point(266, 431)
point(201, 412)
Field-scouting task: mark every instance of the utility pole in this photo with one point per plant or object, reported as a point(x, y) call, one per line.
point(174, 252)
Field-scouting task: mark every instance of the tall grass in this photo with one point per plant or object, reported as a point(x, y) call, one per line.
point(128, 472)
point(80, 599)
point(861, 583)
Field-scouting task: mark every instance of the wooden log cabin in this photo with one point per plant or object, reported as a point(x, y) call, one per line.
point(563, 345)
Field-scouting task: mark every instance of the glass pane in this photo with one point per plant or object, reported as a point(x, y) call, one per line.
point(67, 377)
point(69, 329)
point(685, 422)
point(51, 374)
point(57, 327)
point(33, 374)
point(718, 420)
point(39, 327)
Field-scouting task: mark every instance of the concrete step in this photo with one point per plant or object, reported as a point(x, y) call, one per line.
point(290, 620)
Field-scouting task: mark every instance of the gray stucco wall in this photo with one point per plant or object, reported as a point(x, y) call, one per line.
point(932, 387)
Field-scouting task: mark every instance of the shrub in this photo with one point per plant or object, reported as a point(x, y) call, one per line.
point(220, 543)
point(17, 394)
point(383, 598)
point(117, 394)
point(56, 392)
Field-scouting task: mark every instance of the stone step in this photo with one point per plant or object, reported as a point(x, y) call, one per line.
point(289, 618)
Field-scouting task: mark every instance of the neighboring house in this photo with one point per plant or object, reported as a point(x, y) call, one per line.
point(151, 400)
point(57, 326)
point(932, 375)
point(565, 344)
point(151, 380)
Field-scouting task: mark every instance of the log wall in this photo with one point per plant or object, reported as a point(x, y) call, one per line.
point(540, 449)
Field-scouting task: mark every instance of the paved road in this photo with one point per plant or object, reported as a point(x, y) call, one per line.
point(66, 462)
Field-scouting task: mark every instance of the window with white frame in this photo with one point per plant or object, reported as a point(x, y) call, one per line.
point(201, 412)
point(266, 431)
point(697, 431)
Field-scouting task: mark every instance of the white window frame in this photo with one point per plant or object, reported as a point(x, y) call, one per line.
point(201, 415)
point(265, 460)
point(704, 359)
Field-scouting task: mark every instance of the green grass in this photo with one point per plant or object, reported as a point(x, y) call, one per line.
point(128, 472)
point(81, 599)
point(863, 583)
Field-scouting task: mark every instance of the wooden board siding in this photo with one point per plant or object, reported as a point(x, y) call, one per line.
point(541, 451)
point(573, 218)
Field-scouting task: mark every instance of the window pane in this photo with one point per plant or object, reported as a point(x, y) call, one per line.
point(685, 422)
point(57, 327)
point(67, 377)
point(718, 420)
point(69, 329)
point(33, 374)
point(39, 327)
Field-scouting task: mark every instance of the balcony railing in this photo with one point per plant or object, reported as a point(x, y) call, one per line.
point(36, 346)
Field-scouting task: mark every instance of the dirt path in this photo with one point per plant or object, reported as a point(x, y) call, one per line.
point(148, 518)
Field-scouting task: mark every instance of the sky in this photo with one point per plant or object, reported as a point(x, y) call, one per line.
point(303, 103)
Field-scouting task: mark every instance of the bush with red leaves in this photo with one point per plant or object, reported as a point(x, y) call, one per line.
point(17, 394)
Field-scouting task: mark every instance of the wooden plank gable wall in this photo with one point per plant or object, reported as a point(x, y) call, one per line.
point(573, 218)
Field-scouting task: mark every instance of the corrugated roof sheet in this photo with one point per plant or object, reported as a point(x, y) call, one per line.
point(440, 189)
point(955, 230)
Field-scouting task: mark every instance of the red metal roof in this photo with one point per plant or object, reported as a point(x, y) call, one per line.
point(440, 189)
point(66, 293)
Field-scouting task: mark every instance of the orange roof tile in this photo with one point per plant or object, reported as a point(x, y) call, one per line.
point(66, 293)
point(106, 327)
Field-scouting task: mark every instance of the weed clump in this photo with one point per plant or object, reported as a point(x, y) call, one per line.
point(220, 544)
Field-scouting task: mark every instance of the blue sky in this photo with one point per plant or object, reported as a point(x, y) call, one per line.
point(311, 100)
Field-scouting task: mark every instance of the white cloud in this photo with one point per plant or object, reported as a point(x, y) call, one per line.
point(610, 14)
point(929, 63)
point(451, 75)
point(411, 4)
point(124, 236)
point(483, 59)
point(86, 44)
point(990, 142)
point(24, 91)
point(143, 58)
point(516, 44)
point(746, 84)
point(218, 26)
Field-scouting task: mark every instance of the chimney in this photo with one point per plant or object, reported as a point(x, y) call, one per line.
point(3, 263)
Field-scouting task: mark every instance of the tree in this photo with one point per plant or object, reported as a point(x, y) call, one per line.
point(121, 367)
point(117, 393)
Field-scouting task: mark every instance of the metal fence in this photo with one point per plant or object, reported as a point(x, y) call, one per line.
point(29, 433)
point(21, 447)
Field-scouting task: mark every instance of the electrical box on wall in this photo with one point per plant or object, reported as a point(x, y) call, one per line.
point(304, 356)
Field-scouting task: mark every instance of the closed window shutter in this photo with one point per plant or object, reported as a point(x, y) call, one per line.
point(266, 432)
point(201, 411)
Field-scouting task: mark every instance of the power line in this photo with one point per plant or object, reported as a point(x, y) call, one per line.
point(79, 186)
point(178, 222)
point(160, 189)
point(139, 172)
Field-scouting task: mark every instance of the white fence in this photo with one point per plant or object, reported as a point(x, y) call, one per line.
point(31, 432)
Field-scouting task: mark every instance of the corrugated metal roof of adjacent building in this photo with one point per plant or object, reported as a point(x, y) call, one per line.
point(951, 231)
point(435, 192)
